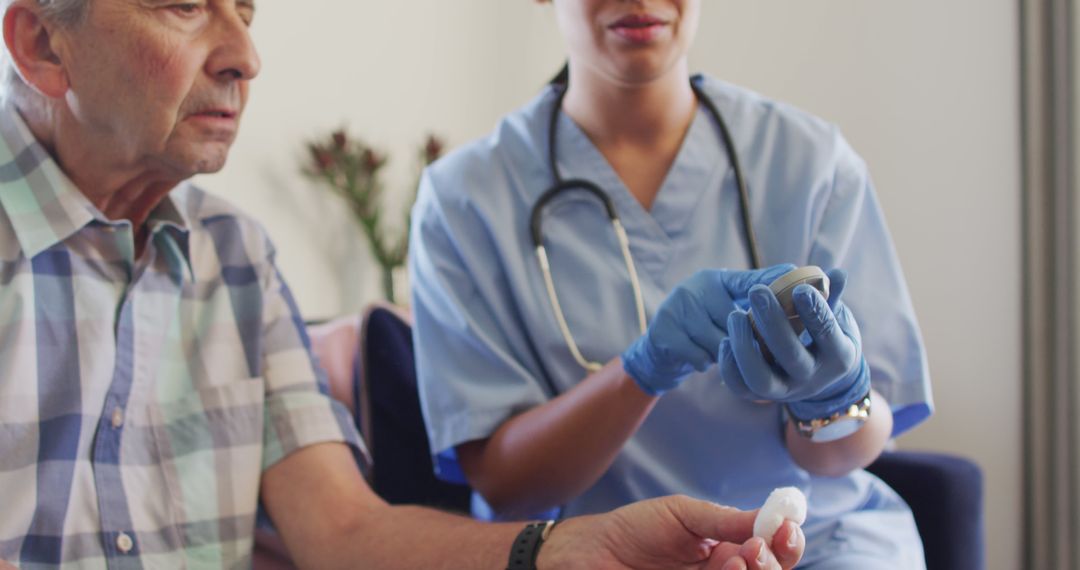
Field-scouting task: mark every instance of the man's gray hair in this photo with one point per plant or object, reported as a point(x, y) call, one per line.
point(64, 12)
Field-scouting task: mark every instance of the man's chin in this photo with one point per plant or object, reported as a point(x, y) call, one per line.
point(203, 161)
point(210, 166)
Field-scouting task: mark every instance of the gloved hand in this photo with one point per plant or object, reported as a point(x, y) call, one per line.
point(815, 380)
point(686, 331)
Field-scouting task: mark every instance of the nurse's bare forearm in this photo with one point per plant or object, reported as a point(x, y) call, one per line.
point(550, 454)
point(836, 458)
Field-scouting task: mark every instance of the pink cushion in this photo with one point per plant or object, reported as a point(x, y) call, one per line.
point(335, 344)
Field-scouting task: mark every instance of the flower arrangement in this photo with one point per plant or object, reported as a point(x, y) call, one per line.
point(352, 169)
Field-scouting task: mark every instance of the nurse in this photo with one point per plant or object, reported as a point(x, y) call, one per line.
point(690, 405)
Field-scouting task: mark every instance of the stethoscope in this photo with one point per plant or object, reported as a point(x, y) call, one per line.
point(624, 242)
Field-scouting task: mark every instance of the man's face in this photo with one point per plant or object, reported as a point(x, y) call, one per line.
point(161, 82)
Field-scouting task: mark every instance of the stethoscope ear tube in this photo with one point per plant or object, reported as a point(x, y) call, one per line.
point(736, 167)
point(536, 218)
point(536, 227)
point(568, 337)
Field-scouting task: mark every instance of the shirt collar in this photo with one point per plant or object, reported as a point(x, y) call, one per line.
point(45, 206)
point(170, 217)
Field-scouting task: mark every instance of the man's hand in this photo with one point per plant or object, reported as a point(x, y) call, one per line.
point(670, 532)
point(329, 518)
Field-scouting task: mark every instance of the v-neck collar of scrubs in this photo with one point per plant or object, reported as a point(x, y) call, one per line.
point(701, 157)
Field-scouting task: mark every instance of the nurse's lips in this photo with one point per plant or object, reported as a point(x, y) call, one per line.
point(638, 28)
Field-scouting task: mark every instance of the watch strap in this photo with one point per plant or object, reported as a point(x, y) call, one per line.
point(527, 545)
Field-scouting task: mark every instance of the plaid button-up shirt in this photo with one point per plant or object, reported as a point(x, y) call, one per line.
point(141, 399)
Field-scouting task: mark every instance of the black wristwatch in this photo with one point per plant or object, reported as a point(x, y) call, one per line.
point(527, 545)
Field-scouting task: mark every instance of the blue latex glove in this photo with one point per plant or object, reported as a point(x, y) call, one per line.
point(815, 379)
point(686, 331)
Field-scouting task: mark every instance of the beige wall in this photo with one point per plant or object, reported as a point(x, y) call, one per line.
point(927, 91)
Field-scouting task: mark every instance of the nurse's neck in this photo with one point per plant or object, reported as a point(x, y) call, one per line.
point(638, 127)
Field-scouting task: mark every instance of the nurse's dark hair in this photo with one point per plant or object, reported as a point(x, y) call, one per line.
point(562, 76)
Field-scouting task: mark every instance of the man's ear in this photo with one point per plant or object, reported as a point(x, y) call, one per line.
point(28, 38)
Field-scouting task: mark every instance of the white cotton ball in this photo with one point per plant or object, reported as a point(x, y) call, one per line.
point(785, 503)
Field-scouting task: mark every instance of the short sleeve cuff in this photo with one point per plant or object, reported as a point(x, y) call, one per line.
point(910, 403)
point(457, 429)
point(295, 420)
point(909, 416)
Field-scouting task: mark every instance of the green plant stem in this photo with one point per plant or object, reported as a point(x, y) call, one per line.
point(388, 283)
point(357, 183)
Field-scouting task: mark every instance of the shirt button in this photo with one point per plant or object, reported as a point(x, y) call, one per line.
point(117, 418)
point(124, 543)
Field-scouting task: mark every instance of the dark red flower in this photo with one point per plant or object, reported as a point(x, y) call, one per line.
point(433, 149)
point(372, 160)
point(322, 157)
point(340, 139)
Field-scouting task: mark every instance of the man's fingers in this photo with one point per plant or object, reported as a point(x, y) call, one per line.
point(788, 545)
point(722, 555)
point(786, 551)
point(734, 563)
point(758, 556)
point(710, 520)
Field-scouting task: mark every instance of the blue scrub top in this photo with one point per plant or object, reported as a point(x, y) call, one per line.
point(488, 345)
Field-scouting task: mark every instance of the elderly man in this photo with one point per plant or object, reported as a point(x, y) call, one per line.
point(155, 380)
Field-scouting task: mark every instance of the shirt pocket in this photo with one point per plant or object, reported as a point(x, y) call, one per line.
point(209, 446)
point(20, 451)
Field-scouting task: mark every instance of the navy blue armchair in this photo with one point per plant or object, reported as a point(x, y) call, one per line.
point(392, 424)
point(944, 491)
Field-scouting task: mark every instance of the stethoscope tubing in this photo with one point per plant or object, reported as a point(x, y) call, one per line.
point(561, 186)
